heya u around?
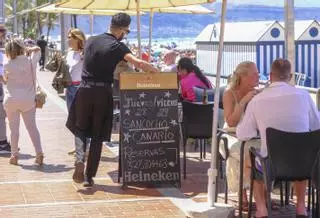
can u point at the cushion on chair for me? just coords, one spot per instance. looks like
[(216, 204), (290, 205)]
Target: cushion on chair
[(210, 92), (199, 93)]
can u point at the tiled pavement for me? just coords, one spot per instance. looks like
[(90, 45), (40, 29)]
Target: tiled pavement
[(48, 191), (143, 209)]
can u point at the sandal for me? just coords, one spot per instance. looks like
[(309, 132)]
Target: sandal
[(301, 216), (39, 159), (275, 206), (245, 206), (13, 160)]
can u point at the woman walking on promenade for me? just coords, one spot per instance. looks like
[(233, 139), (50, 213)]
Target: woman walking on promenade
[(20, 79), (74, 60)]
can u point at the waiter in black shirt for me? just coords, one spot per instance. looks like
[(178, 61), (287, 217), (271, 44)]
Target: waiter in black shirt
[(91, 112)]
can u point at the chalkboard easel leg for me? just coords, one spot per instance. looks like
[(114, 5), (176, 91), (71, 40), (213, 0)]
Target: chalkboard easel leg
[(200, 145), (204, 148), (184, 160), (119, 165)]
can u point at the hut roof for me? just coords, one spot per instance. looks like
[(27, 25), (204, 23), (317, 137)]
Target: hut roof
[(236, 31), (301, 26)]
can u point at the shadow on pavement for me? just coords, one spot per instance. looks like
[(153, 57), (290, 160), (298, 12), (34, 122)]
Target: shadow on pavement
[(47, 168), (26, 156), (63, 97), (109, 159), (119, 190), (21, 156)]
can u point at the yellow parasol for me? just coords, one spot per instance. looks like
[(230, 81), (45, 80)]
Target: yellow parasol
[(137, 5), (53, 9), (189, 9)]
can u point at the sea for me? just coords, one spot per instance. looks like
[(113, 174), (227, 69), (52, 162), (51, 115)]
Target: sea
[(157, 43), (183, 29)]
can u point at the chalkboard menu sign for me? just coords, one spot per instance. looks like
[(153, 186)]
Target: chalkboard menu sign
[(149, 129)]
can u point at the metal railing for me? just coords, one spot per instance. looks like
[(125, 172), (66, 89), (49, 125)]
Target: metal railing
[(314, 92), (50, 52)]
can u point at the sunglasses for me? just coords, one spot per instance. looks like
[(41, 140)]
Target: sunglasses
[(127, 31), (71, 36)]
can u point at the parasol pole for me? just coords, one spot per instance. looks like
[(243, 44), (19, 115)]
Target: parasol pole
[(138, 27), (212, 171), (289, 36), (91, 23), (150, 33)]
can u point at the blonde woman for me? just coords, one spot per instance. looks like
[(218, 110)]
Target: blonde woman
[(240, 91), (19, 77)]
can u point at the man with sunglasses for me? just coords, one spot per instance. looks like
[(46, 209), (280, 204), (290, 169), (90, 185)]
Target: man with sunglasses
[(92, 109), (4, 144)]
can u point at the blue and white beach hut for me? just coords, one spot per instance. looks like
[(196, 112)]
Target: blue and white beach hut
[(242, 40), (307, 40), (269, 47)]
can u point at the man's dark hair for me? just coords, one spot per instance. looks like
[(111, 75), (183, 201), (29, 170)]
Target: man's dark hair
[(120, 20)]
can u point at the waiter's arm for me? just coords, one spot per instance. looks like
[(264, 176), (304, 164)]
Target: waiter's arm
[(138, 63)]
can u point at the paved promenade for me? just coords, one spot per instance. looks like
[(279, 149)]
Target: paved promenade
[(48, 191)]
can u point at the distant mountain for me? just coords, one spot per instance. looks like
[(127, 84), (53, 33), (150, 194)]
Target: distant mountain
[(179, 25)]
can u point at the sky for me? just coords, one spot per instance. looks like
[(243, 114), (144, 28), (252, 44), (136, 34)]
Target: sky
[(280, 3)]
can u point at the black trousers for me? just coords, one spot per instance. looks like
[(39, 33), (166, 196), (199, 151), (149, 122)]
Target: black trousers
[(94, 157), (91, 116), (42, 59), (94, 153)]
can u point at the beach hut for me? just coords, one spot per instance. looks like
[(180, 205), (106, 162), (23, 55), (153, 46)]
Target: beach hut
[(269, 47), (307, 42), (243, 41)]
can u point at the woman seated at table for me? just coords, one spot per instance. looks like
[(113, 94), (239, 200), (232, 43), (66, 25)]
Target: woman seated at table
[(191, 76), (240, 91)]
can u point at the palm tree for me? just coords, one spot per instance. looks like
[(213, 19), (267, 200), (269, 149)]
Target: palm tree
[(32, 21), (50, 23)]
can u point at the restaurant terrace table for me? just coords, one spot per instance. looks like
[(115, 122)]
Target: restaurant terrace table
[(232, 132)]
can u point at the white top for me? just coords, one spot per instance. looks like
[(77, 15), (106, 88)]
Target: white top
[(280, 106), (21, 80), (169, 68), (75, 62)]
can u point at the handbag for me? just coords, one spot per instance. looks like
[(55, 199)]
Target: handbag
[(53, 63), (41, 96), (62, 78)]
